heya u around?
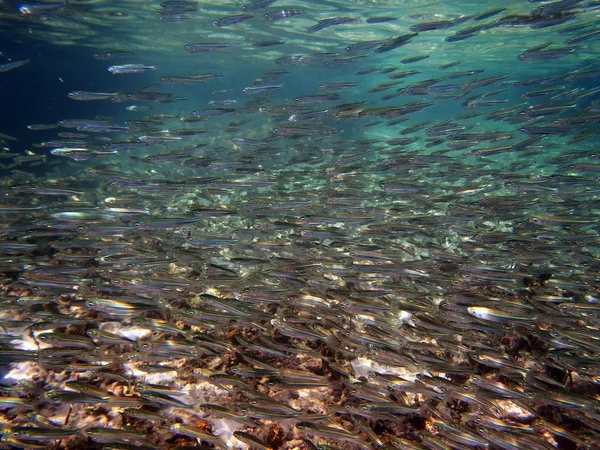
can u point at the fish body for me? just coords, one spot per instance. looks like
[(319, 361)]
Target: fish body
[(130, 69), (232, 20), (28, 9), (325, 23), (7, 67)]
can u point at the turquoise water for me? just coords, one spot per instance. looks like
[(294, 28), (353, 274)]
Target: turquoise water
[(372, 224)]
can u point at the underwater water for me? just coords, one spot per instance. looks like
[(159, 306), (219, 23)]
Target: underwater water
[(300, 224)]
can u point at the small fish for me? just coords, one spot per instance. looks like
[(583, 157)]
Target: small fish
[(223, 102), (130, 68), (29, 9), (329, 432), (105, 434), (380, 19), (106, 56), (255, 90), (449, 65), (363, 46), (272, 43), (43, 190), (245, 142), (138, 108), (109, 338), (256, 5), (82, 216), (428, 26), (318, 98), (413, 59), (582, 37), (41, 434), (394, 43), (14, 402), (211, 112), (196, 433), (281, 15), (13, 65), (545, 55), (231, 20), (338, 86), (219, 411), (488, 14), (325, 23), (67, 340), (58, 396), (250, 440), (202, 47), (89, 389), (562, 221), (89, 95)]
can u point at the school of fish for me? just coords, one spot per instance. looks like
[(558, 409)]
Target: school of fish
[(313, 225)]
